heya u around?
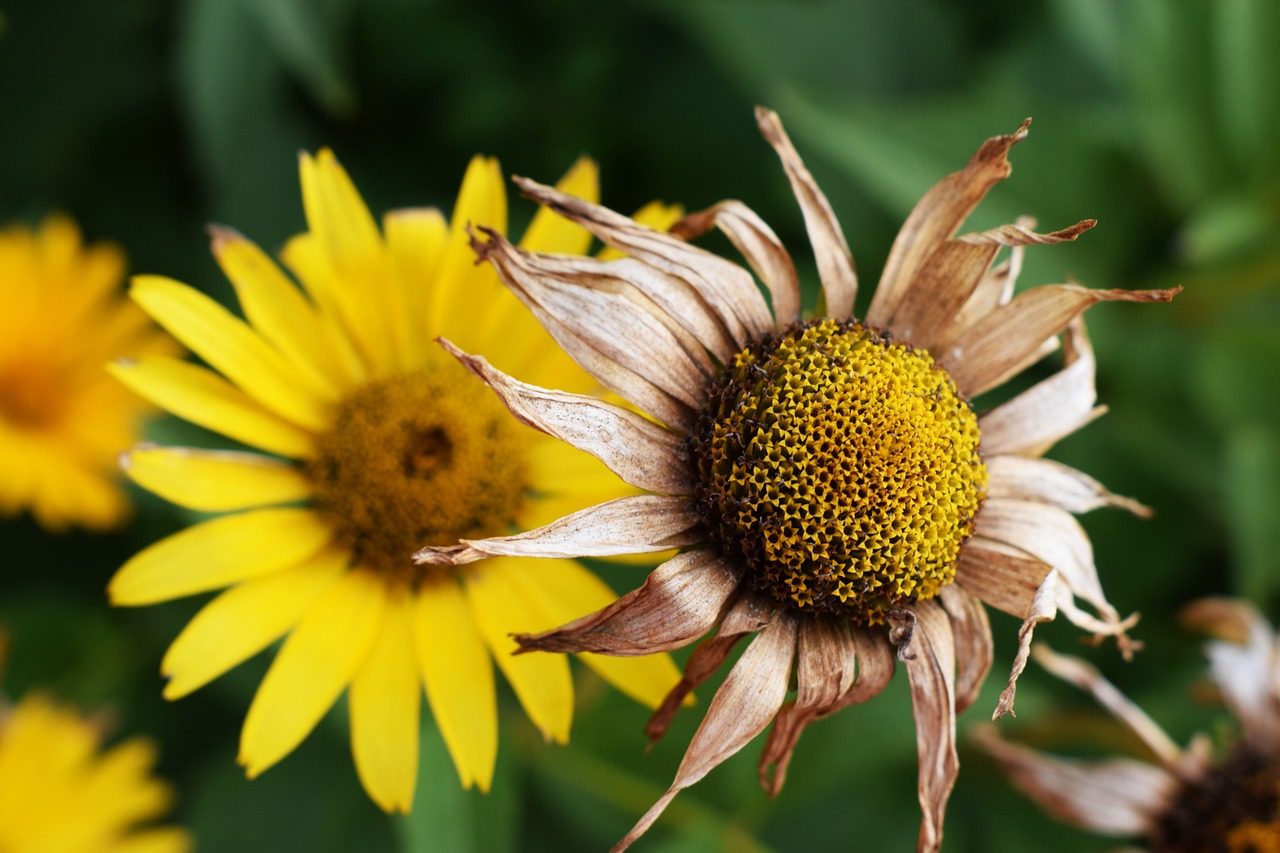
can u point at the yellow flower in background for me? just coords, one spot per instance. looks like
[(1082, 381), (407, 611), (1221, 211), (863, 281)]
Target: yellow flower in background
[(60, 792), (373, 442), (62, 420)]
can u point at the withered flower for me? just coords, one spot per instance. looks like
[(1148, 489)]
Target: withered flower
[(833, 490), (1194, 800)]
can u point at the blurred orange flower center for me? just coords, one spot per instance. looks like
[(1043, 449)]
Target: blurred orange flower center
[(30, 395)]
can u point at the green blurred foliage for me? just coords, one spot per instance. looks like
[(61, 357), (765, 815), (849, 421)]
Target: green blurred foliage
[(148, 119)]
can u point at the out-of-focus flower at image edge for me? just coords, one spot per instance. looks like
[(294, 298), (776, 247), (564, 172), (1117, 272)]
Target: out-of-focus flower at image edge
[(60, 791), (1190, 800), (63, 420), (372, 441), (841, 499)]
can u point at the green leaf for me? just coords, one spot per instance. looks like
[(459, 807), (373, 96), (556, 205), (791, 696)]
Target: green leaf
[(306, 36), (1253, 510)]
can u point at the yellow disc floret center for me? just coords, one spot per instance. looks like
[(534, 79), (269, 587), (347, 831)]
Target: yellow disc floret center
[(423, 458), (31, 396), (841, 469)]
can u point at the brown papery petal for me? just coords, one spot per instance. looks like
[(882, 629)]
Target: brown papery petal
[(636, 524), (634, 380), (1043, 608), (835, 261), (1003, 577), (1032, 478), (931, 672), (1086, 676), (1119, 796), (972, 632), (936, 217), (825, 671), (759, 245), (1245, 663), (947, 279), (1006, 341), (1031, 422), (748, 614), (743, 706), (639, 451), (726, 287), (680, 601), (995, 289)]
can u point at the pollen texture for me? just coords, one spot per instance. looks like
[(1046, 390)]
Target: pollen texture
[(424, 458), (841, 469)]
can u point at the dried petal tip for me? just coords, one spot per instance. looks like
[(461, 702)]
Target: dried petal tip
[(220, 236), (482, 248), (447, 555)]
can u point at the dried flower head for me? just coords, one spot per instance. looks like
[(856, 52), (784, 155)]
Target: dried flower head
[(836, 494)]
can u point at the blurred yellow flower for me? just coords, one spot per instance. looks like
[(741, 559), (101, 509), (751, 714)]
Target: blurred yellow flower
[(62, 419), (376, 442)]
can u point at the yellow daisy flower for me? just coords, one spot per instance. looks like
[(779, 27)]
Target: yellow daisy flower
[(60, 792), (840, 498), (373, 441), (62, 420)]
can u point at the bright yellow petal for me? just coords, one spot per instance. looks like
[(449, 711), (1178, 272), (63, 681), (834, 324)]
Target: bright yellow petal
[(284, 317), (218, 553), (385, 701), (232, 348), (316, 662), (244, 620), (199, 395), (551, 232), (655, 215), (564, 591), (500, 601), (461, 283), (415, 240), (214, 480), (459, 679), (164, 839)]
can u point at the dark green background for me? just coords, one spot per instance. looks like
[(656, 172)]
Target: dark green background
[(148, 119)]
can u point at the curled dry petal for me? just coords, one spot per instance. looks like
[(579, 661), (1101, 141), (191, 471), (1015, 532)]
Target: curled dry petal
[(952, 272), (1031, 422), (1003, 577), (1119, 796), (1043, 608), (1245, 662), (972, 632), (725, 286), (1036, 479), (931, 674), (993, 290), (759, 245), (835, 262), (1086, 676), (743, 706), (639, 451), (680, 601), (936, 217), (746, 615), (598, 353), (636, 524), (1008, 339)]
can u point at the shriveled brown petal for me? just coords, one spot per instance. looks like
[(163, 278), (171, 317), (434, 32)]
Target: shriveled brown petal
[(1118, 796), (931, 672), (1043, 608), (835, 261), (636, 524), (995, 289), (951, 273), (1085, 675), (759, 245), (680, 601), (936, 217), (1245, 662), (825, 671), (1036, 479), (1031, 422), (972, 632), (743, 706), (639, 451), (1003, 577), (746, 615), (1008, 339), (726, 287), (634, 381)]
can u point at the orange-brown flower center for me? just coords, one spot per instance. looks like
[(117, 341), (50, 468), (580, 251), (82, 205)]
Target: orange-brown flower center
[(424, 458), (840, 468), (30, 397), (1233, 808)]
